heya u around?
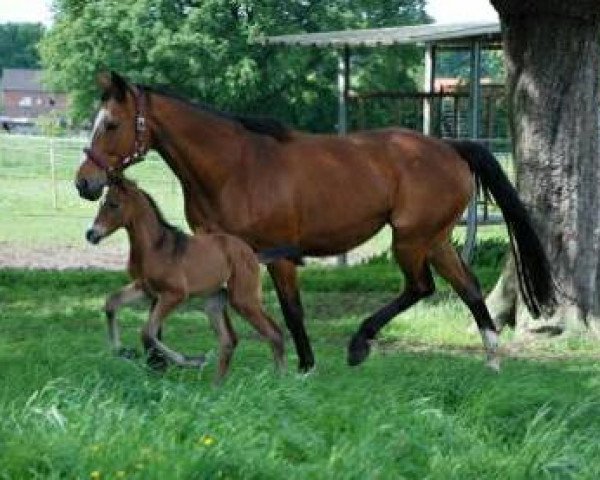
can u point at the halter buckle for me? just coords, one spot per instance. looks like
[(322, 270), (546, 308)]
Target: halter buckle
[(140, 123)]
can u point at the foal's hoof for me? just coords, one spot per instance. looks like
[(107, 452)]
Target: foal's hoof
[(157, 362), (358, 350), (127, 353)]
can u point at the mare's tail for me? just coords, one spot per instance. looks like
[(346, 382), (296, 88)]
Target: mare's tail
[(533, 268)]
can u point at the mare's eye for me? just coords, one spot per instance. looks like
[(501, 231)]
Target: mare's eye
[(112, 205), (111, 126)]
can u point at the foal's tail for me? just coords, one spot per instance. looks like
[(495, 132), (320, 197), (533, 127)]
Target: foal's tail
[(288, 252), (533, 268)]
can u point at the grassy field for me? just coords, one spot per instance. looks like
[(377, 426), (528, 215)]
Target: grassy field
[(41, 207), (68, 409)]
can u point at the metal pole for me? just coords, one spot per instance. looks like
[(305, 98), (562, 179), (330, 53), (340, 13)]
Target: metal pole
[(53, 175), (428, 86), (342, 126), (475, 96), (475, 88), (343, 87)]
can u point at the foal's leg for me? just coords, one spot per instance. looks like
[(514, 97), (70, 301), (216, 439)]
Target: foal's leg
[(418, 284), (128, 294), (247, 304), (450, 266), (216, 309), (165, 304), (283, 273)]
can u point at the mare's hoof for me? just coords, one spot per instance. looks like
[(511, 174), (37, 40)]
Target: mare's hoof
[(306, 367), (127, 353), (358, 350), (493, 364)]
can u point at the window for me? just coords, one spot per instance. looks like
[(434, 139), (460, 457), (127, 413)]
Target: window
[(25, 102)]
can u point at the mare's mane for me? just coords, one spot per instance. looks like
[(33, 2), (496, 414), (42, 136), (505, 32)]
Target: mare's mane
[(256, 124)]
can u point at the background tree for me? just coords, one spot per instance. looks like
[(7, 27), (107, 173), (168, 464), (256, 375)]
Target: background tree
[(18, 45), (552, 53), (205, 50)]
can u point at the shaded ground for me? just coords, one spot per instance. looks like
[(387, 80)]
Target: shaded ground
[(107, 257), (55, 257)]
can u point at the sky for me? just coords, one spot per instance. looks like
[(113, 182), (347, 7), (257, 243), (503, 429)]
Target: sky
[(443, 11)]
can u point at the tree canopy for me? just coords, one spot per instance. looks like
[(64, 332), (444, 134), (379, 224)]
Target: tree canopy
[(206, 50), (18, 45)]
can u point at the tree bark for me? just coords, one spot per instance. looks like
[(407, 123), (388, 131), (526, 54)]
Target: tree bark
[(552, 51)]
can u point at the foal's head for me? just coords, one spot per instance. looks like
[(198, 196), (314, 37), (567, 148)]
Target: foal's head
[(119, 135), (120, 205)]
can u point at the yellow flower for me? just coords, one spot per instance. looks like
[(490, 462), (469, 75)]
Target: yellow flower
[(207, 440), (146, 452), (95, 475)]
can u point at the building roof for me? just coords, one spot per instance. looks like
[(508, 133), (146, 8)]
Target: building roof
[(450, 34), (22, 79)]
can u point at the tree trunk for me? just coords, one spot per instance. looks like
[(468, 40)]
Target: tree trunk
[(552, 50)]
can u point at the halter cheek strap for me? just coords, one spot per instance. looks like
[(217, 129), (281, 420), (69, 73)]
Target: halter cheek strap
[(139, 147)]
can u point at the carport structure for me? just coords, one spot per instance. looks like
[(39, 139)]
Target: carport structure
[(474, 37)]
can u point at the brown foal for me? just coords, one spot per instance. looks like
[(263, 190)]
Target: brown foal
[(169, 266)]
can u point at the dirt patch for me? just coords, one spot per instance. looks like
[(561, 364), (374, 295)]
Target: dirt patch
[(61, 257), (513, 349)]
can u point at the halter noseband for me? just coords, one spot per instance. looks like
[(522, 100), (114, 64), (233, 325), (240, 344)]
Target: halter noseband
[(139, 148)]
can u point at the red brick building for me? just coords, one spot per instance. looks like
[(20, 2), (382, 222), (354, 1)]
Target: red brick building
[(24, 97)]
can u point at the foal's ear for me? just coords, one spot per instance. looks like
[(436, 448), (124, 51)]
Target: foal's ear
[(112, 85)]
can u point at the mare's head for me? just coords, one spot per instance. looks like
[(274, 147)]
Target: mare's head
[(118, 209), (119, 135)]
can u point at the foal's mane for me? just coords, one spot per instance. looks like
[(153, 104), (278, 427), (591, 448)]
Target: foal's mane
[(179, 237), (256, 124)]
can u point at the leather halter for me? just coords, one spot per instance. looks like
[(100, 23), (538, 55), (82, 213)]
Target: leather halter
[(139, 147)]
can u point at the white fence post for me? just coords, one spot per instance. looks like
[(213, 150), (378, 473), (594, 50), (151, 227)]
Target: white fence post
[(53, 176)]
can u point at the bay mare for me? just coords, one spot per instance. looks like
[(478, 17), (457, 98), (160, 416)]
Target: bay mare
[(169, 266), (324, 194)]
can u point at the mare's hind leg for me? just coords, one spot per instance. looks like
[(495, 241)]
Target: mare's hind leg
[(216, 309), (284, 275), (418, 284), (128, 294), (449, 265)]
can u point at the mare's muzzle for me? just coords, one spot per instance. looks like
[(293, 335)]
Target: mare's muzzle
[(89, 189)]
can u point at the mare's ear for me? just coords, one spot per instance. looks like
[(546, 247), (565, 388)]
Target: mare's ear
[(112, 85)]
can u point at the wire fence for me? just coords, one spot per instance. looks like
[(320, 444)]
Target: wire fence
[(50, 163), (41, 206)]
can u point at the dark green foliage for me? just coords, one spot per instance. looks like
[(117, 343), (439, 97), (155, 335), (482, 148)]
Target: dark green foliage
[(18, 45), (207, 51)]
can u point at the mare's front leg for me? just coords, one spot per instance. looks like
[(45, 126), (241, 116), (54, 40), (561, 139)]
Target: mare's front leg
[(128, 294), (284, 275)]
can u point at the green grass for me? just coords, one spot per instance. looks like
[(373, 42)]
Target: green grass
[(68, 409)]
